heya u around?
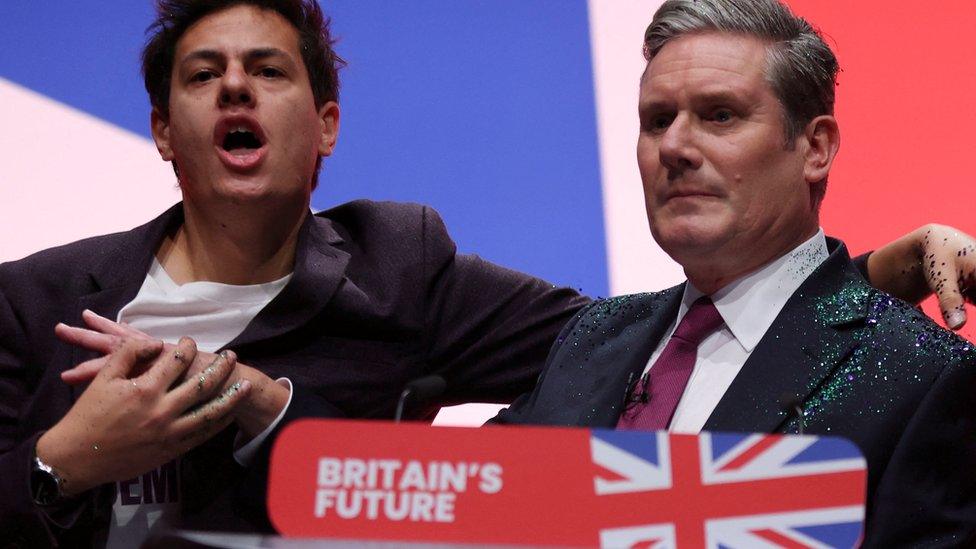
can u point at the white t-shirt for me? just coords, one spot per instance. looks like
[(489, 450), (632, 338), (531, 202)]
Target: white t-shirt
[(213, 315)]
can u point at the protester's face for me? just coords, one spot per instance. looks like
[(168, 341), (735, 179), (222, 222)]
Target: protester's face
[(720, 185), (242, 121)]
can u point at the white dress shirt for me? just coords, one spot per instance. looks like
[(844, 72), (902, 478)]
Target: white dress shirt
[(748, 306)]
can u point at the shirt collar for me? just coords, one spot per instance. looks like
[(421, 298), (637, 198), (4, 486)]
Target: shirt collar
[(750, 304)]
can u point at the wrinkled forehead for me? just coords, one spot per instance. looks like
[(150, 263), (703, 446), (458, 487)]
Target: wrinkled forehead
[(707, 63)]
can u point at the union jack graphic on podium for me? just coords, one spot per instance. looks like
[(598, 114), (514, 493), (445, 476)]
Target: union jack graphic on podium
[(729, 490)]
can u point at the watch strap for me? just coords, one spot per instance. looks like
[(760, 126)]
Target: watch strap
[(45, 483)]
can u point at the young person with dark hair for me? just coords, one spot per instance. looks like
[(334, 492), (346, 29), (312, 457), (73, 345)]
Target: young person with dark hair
[(327, 315)]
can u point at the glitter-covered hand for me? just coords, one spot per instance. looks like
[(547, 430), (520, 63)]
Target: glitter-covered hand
[(933, 258), (265, 401), (125, 423)]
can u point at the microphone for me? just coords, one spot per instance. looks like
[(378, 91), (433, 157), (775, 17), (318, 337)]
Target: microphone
[(793, 406), (636, 391), (422, 388)]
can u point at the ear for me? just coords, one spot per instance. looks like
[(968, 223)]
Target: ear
[(160, 133), (822, 138), (329, 124)]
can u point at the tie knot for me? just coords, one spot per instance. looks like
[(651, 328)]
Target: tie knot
[(701, 320)]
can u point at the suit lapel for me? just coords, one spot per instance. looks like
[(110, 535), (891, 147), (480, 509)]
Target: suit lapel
[(117, 276), (617, 364), (817, 330), (319, 270)]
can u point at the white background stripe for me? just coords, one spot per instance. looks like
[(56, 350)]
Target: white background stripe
[(67, 175), (635, 262)]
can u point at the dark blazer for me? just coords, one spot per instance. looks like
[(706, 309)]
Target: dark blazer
[(861, 364), (379, 297)]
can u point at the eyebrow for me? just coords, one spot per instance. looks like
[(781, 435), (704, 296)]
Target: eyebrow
[(251, 55), (707, 97), (264, 53), (723, 96)]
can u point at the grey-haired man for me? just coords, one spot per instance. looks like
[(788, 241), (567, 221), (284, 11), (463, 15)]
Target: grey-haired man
[(774, 331)]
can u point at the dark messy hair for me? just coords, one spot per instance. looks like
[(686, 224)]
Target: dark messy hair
[(174, 17)]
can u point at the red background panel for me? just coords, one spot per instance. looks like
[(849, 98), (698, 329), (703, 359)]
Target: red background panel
[(906, 104)]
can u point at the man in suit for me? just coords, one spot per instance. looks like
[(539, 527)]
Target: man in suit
[(775, 330)]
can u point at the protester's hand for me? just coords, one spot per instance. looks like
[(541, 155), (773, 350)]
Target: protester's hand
[(263, 405), (948, 258), (104, 335), (124, 425), (932, 258)]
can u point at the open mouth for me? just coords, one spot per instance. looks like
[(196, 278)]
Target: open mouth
[(241, 141)]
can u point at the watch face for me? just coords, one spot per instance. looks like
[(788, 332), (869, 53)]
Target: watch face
[(44, 487)]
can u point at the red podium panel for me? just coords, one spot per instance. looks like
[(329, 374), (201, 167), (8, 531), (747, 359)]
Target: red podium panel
[(560, 486)]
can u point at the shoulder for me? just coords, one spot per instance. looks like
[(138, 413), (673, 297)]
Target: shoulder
[(53, 264), (110, 253), (360, 217), (623, 310), (895, 334), (395, 232), (903, 333), (394, 238)]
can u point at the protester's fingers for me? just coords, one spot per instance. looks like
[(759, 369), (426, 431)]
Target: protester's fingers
[(945, 285), (953, 307), (84, 372), (107, 326), (202, 385), (132, 352), (966, 281), (945, 270), (966, 267), (171, 365), (206, 420), (969, 290), (948, 261), (86, 339)]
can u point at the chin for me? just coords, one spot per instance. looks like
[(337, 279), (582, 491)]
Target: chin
[(688, 240), (245, 194)]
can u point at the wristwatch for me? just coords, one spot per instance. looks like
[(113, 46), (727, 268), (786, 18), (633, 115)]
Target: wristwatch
[(45, 483)]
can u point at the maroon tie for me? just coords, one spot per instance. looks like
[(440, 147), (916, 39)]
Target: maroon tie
[(665, 383)]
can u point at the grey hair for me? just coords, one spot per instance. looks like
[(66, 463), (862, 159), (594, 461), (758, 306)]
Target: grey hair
[(801, 68)]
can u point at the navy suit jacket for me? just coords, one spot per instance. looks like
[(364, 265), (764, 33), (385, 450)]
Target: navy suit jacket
[(861, 364), (379, 297)]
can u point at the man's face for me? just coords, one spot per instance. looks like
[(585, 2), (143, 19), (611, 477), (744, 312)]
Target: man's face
[(242, 121), (721, 188)]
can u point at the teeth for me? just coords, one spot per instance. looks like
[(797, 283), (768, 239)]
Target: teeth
[(240, 129)]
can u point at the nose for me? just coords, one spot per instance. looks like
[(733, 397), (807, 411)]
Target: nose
[(235, 88), (678, 149)]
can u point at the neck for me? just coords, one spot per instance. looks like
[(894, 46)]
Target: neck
[(711, 276), (233, 245)]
